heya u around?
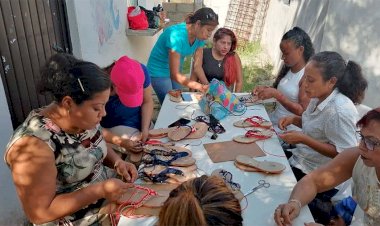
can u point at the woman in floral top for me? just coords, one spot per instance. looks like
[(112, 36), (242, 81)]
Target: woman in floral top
[(58, 157)]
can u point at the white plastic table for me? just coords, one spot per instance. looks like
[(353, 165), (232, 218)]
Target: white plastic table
[(262, 203)]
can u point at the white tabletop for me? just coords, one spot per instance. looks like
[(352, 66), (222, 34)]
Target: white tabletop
[(262, 203)]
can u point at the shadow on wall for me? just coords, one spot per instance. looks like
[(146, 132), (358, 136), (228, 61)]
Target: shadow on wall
[(349, 27)]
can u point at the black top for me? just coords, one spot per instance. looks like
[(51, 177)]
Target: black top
[(213, 68)]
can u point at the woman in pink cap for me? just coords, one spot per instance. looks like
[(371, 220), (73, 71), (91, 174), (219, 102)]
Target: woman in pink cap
[(130, 106)]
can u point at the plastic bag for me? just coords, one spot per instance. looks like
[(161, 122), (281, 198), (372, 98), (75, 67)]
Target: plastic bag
[(137, 19)]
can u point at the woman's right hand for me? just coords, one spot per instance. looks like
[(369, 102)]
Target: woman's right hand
[(284, 122), (285, 213), (113, 189)]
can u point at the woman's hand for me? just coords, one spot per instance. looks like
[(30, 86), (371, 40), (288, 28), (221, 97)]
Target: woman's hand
[(144, 136), (126, 169), (285, 213), (204, 88), (131, 145), (113, 189), (285, 121), (266, 93), (258, 89), (293, 137)]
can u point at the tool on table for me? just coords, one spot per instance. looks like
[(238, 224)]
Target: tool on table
[(262, 183)]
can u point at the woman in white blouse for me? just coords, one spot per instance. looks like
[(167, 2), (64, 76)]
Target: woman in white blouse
[(328, 123), (362, 163)]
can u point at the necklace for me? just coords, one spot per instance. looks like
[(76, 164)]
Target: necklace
[(220, 63)]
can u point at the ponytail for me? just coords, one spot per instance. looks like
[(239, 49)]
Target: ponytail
[(353, 84), (350, 80)]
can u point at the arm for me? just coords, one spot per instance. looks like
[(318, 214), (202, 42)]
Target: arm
[(239, 75), (34, 173), (147, 112), (293, 119), (174, 63), (198, 73), (324, 178), (128, 144)]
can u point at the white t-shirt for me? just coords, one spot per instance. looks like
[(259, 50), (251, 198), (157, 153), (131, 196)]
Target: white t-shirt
[(366, 192), (333, 121), (289, 87)]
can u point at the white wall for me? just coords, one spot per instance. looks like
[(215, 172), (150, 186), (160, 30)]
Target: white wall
[(349, 27), (10, 209), (97, 29), (220, 7)]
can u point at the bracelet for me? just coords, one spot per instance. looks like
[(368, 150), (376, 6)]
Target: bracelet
[(298, 202)]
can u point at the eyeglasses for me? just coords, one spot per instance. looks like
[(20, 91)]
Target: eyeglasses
[(369, 144)]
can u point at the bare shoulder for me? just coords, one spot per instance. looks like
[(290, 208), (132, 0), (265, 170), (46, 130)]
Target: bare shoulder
[(29, 149)]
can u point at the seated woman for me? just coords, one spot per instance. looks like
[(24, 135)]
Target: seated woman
[(58, 157), (328, 124), (296, 48), (201, 201), (220, 62), (130, 106), (362, 163)]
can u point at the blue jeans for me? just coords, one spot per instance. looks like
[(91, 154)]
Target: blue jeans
[(162, 85)]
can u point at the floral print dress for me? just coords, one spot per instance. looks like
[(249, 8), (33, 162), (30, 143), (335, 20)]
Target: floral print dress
[(78, 158)]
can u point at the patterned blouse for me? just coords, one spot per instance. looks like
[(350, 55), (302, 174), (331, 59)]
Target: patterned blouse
[(366, 192), (78, 158)]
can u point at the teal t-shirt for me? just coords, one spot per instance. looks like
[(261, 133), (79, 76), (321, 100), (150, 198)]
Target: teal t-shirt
[(174, 38)]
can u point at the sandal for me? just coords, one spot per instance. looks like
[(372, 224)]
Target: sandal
[(159, 133), (175, 95), (263, 166), (254, 121), (171, 159), (166, 149), (162, 176), (213, 123), (197, 131), (252, 136), (187, 172)]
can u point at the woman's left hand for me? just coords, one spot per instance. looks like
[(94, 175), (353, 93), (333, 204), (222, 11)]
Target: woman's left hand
[(131, 145), (126, 169), (293, 137), (144, 135)]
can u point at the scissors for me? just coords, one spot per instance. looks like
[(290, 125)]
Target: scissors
[(262, 183)]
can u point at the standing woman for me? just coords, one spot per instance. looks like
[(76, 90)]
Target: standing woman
[(176, 42), (296, 48), (220, 62)]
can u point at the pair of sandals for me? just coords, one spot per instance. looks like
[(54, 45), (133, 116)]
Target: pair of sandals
[(248, 164), (196, 131), (167, 164), (262, 130)]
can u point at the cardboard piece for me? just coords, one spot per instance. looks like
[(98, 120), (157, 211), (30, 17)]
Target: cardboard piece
[(228, 150)]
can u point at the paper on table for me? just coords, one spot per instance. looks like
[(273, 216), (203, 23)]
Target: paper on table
[(228, 150)]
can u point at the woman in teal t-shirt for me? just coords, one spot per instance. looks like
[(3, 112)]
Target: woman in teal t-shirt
[(176, 42)]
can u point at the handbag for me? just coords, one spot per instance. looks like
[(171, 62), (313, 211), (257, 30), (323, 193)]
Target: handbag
[(220, 102), (137, 18)]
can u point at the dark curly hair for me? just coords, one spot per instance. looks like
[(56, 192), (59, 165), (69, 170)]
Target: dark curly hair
[(64, 75)]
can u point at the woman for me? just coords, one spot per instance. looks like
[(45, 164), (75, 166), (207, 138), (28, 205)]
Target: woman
[(328, 123), (220, 62), (176, 42), (201, 201), (58, 156), (130, 107), (361, 163), (296, 48)]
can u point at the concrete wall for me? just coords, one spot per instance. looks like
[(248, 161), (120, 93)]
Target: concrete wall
[(348, 26), (10, 208), (97, 29)]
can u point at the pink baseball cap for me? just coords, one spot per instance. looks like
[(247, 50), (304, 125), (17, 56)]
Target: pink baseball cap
[(128, 78)]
